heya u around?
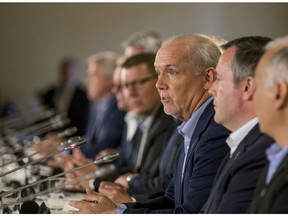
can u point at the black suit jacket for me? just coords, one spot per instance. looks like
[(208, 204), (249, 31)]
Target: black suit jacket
[(207, 149), (156, 181), (237, 177), (272, 198), (77, 110), (159, 132)]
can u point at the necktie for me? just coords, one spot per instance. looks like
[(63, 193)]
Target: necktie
[(140, 141)]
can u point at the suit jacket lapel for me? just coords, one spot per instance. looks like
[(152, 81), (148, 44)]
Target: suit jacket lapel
[(248, 140), (157, 127), (178, 181), (201, 126), (228, 162)]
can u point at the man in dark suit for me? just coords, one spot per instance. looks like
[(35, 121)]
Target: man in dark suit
[(233, 91), (106, 120), (68, 96), (271, 99), (186, 69), (151, 183), (154, 177), (105, 131), (139, 154)]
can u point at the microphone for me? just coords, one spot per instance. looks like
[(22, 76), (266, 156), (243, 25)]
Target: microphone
[(105, 159), (103, 171), (42, 127), (67, 132), (39, 126), (12, 138), (27, 118), (109, 158), (34, 125), (29, 206), (74, 142)]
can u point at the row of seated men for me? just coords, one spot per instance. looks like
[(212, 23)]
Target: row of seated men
[(107, 131), (209, 160)]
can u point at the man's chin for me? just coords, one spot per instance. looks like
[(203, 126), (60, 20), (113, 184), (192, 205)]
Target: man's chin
[(217, 119), (169, 112)]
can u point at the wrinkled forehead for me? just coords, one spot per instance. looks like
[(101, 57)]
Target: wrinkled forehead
[(171, 54)]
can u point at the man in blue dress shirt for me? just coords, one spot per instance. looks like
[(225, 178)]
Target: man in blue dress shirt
[(271, 102), (186, 70)]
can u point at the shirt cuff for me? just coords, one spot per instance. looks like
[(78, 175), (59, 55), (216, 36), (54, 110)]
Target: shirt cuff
[(121, 208), (91, 184)]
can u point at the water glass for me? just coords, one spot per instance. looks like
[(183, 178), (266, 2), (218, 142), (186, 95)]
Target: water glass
[(55, 200)]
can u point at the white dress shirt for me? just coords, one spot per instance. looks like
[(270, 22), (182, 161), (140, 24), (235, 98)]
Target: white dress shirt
[(237, 136)]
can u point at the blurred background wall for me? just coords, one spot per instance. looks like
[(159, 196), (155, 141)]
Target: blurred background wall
[(35, 36)]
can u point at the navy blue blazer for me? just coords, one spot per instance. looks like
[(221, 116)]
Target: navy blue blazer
[(207, 149), (272, 198), (237, 177), (107, 133)]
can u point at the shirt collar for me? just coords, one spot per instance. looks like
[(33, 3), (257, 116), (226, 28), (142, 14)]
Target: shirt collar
[(186, 129), (275, 155), (237, 136), (275, 152), (130, 116)]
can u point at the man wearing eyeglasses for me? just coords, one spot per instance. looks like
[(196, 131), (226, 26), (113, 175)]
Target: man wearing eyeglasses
[(139, 87), (140, 153), (186, 69)]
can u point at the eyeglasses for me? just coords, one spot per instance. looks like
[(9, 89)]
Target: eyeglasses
[(138, 83)]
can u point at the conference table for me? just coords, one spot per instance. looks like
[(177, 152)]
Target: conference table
[(20, 175)]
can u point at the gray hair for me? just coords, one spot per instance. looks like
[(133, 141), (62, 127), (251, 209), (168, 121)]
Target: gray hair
[(150, 41), (201, 52), (216, 39), (278, 66), (109, 60)]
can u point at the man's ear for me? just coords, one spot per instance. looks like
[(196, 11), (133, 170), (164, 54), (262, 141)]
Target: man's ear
[(280, 94), (249, 87), (209, 77)]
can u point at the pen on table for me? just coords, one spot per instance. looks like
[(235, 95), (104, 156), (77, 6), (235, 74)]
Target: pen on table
[(91, 201)]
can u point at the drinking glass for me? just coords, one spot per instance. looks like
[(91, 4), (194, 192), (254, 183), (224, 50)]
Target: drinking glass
[(55, 200), (10, 202)]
